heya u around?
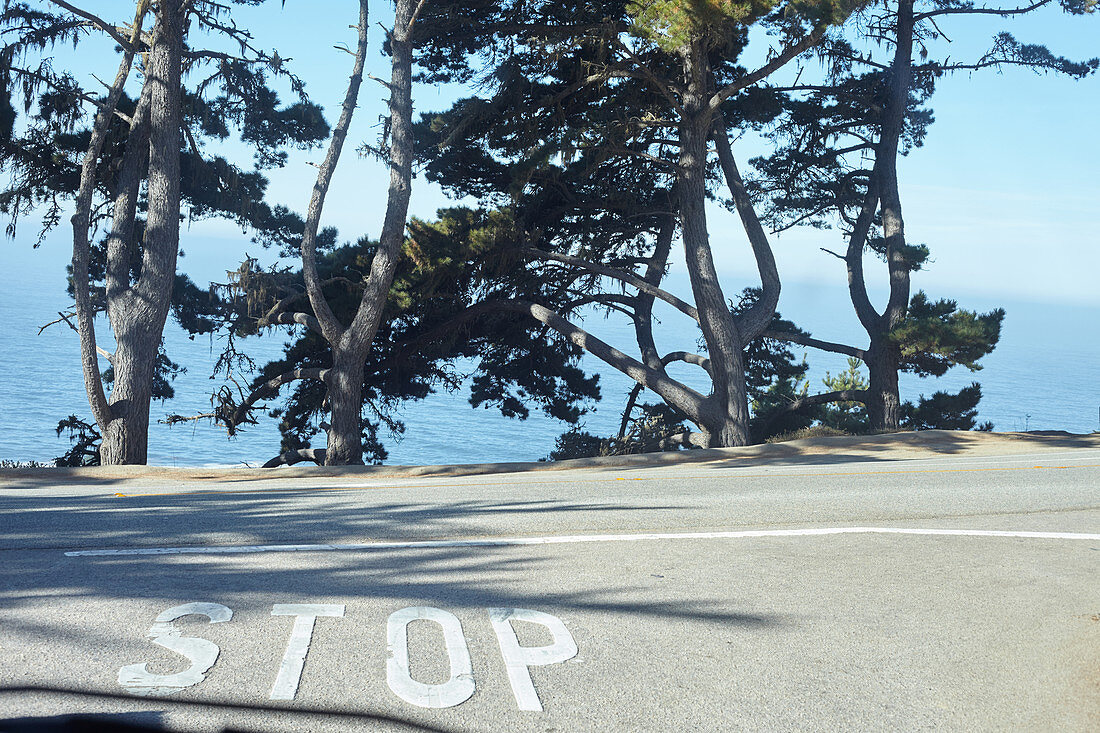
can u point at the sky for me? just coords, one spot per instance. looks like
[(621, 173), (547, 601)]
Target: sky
[(1004, 190)]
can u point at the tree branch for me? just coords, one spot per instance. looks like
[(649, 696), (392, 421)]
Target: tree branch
[(285, 302), (611, 301), (611, 272), (317, 455), (240, 412), (83, 95), (836, 348), (687, 357), (415, 15), (65, 318), (132, 173), (646, 74), (101, 24), (699, 440), (301, 319), (676, 394), (844, 395), (853, 260), (331, 327), (751, 323), (654, 273), (364, 325), (631, 399), (781, 60), (1003, 12)]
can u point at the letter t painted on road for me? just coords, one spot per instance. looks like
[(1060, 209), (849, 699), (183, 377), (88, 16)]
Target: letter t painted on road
[(290, 671)]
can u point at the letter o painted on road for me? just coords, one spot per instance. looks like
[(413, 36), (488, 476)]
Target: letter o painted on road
[(456, 690)]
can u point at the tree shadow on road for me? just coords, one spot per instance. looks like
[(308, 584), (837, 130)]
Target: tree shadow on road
[(39, 531)]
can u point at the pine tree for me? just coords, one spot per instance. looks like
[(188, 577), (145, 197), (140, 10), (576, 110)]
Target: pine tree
[(134, 171), (595, 130), (438, 322), (839, 145)]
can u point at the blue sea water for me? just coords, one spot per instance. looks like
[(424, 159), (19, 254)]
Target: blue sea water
[(1043, 375)]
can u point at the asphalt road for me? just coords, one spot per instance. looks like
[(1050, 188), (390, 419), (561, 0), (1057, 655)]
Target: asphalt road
[(953, 590)]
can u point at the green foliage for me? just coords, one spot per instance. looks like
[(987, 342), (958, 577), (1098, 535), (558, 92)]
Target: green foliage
[(586, 165), (849, 417), (85, 440), (650, 431), (464, 260), (577, 443), (10, 464), (769, 416), (944, 411), (817, 174), (439, 326), (915, 255), (653, 429), (1006, 50), (672, 24), (936, 336), (814, 431)]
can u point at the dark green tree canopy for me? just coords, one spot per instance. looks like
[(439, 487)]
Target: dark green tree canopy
[(937, 335), (48, 133), (441, 325)]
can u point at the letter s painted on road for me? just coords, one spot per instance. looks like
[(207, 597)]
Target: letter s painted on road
[(138, 680)]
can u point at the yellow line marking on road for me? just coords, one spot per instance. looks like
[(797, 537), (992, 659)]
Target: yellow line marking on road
[(219, 492)]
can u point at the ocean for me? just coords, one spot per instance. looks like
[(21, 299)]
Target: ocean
[(1042, 376)]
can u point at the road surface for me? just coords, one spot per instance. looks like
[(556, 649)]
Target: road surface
[(946, 586)]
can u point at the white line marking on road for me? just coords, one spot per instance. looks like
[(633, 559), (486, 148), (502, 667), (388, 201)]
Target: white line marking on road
[(290, 671), (518, 658), (575, 539), (457, 689)]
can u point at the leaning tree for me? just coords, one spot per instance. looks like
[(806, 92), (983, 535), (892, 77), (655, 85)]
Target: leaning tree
[(583, 92), (348, 299), (438, 329)]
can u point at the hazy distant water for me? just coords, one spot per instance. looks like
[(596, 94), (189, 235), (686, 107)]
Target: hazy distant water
[(1045, 367)]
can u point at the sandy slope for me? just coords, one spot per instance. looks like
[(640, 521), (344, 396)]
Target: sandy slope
[(894, 447)]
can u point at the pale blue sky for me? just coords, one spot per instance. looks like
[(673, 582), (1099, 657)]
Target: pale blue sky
[(1004, 190)]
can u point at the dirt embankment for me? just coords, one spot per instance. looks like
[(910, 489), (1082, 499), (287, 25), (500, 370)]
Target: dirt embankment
[(892, 446)]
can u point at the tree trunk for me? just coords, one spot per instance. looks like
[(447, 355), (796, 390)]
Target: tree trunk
[(126, 438), (350, 345), (729, 423), (886, 159), (883, 399), (81, 221), (345, 398), (883, 359), (138, 314)]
